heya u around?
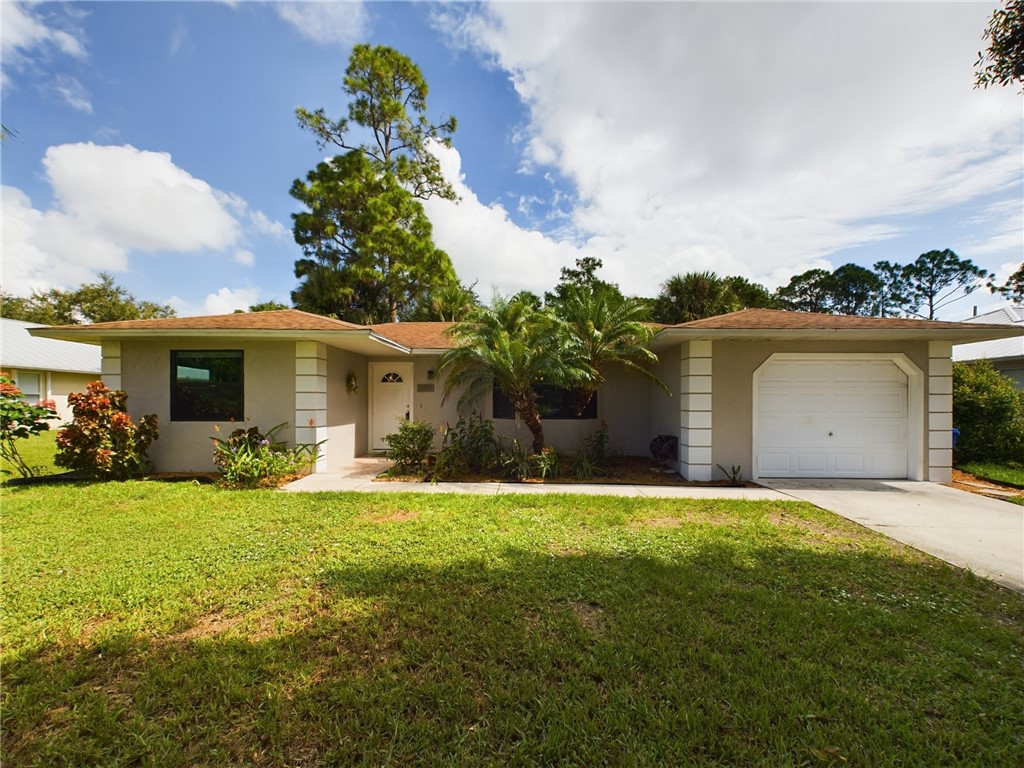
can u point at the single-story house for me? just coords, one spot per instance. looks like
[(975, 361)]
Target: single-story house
[(46, 368), (1006, 355), (780, 394)]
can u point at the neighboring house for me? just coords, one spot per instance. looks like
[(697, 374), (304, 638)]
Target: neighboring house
[(46, 369), (781, 394), (1006, 355)]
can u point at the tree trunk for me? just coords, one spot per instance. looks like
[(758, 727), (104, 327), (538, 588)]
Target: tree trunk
[(526, 406)]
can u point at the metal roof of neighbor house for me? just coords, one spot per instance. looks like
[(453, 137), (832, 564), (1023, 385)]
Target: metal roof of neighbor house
[(997, 349), (19, 349)]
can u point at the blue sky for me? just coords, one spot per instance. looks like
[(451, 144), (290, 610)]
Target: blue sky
[(158, 141)]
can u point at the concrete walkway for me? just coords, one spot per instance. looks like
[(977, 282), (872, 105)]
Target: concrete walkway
[(360, 477), (981, 534)]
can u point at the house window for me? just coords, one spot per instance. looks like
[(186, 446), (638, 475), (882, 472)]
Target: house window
[(31, 386), (207, 385), (552, 402)]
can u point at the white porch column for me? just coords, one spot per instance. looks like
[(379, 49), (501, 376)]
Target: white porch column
[(110, 367), (695, 416), (311, 396), (940, 412)]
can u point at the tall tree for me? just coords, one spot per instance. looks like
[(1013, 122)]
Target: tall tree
[(450, 303), (368, 249), (583, 275), (511, 346), (1003, 62), (98, 302), (810, 291), (601, 330), (1013, 288), (938, 278), (694, 296), (854, 290), (893, 292), (751, 295)]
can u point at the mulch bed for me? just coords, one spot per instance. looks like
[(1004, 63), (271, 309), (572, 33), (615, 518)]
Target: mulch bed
[(965, 481), (623, 470)]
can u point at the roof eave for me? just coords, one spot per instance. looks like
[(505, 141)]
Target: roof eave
[(88, 335), (956, 335)]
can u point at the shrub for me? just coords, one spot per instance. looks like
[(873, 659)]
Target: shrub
[(249, 458), (545, 464), (410, 445), (513, 462), (19, 420), (989, 412), (102, 441), (468, 447), (591, 456)]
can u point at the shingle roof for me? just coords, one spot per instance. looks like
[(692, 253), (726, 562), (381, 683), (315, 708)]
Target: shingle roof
[(777, 319), (276, 320), (416, 335), (20, 350)]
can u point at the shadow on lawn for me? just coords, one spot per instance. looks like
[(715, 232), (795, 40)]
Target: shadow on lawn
[(770, 656)]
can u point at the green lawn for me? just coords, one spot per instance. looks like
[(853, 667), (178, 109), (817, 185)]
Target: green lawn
[(178, 625), (38, 452)]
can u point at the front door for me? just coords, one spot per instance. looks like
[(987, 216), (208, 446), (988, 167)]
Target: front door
[(390, 400)]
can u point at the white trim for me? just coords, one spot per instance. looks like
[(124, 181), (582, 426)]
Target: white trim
[(916, 466), (377, 369)]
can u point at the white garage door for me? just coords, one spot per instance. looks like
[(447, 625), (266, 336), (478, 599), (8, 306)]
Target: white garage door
[(831, 418)]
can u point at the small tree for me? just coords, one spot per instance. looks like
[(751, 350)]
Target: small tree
[(20, 420), (989, 412), (102, 441)]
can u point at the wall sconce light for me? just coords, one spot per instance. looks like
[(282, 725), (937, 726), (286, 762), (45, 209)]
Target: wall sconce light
[(430, 375)]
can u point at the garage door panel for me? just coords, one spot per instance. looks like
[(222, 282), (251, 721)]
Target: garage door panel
[(811, 462), (832, 418)]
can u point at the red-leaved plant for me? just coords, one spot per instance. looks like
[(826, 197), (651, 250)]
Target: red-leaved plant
[(20, 420), (102, 441)]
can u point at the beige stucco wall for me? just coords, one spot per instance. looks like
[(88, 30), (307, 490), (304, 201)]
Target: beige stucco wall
[(185, 445), (733, 366), (346, 411), (56, 386)]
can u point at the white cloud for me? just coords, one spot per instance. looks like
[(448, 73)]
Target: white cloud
[(109, 201), (73, 93), (267, 226), (326, 23), (244, 257), (28, 30), (223, 302), (751, 139)]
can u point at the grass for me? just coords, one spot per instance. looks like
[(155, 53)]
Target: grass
[(1010, 474), (171, 625), (38, 452)]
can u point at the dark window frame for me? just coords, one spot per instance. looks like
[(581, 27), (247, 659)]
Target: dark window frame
[(223, 390), (554, 404)]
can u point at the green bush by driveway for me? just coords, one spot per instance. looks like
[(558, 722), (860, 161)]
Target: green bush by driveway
[(173, 625)]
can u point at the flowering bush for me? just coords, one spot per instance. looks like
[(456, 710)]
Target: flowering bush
[(102, 441), (251, 459), (19, 420), (410, 445)]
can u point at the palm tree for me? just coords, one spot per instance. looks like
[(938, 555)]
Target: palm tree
[(511, 346), (694, 296), (602, 329)]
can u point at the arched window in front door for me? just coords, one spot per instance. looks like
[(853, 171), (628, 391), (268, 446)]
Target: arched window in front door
[(391, 377)]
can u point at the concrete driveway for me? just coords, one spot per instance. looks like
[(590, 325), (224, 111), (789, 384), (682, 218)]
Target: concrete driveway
[(981, 534)]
